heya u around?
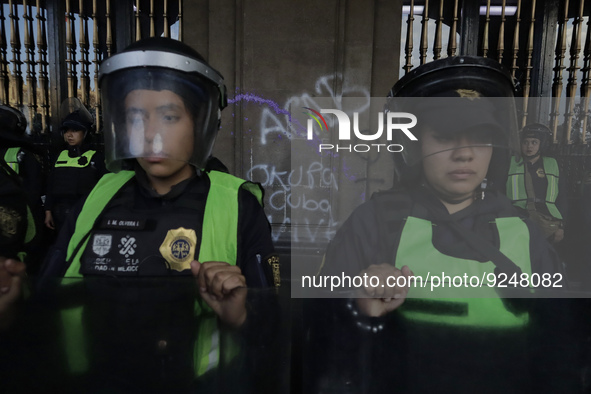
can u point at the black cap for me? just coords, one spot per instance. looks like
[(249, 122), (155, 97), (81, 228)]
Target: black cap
[(536, 130), (453, 95), (76, 121), (444, 77), (457, 115)]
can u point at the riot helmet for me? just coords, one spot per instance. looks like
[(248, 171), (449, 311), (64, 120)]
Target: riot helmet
[(75, 116), (13, 123), (538, 131), (466, 96), (157, 70)]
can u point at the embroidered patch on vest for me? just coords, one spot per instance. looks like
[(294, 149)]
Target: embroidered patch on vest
[(102, 244), (127, 246), (273, 261), (540, 173), (178, 248)]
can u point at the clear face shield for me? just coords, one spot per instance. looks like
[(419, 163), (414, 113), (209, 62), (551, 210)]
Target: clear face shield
[(449, 124), (159, 113)]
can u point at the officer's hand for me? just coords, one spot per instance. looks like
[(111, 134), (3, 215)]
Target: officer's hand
[(223, 287), (386, 296), (12, 274), (49, 220), (558, 235)]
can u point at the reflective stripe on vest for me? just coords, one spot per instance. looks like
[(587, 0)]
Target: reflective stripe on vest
[(516, 184), (64, 159), (417, 251), (220, 227), (11, 158)]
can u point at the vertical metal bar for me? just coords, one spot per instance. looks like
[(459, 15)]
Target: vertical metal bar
[(470, 21), (30, 62), (180, 17), (424, 34), (571, 86), (96, 61), (452, 45), (559, 66), (109, 28), (124, 23), (409, 38), (71, 51), (138, 26), (152, 19), (514, 66), (4, 77), (84, 55), (586, 83), (437, 45), (546, 28), (43, 80), (501, 42), (57, 54), (486, 27), (165, 19), (15, 43), (528, 67)]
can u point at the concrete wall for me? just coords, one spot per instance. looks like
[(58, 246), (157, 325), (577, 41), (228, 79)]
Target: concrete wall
[(274, 53)]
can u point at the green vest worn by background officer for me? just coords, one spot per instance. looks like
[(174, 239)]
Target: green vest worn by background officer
[(13, 125), (64, 159), (516, 185), (11, 158), (17, 222)]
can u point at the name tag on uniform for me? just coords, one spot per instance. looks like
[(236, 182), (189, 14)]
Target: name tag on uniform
[(123, 224)]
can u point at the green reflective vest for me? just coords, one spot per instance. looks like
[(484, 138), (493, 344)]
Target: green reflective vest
[(11, 158), (516, 185), (218, 243), (487, 310), (64, 159)]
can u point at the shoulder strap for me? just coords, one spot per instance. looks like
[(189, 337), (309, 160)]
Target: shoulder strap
[(393, 207), (502, 262), (220, 218), (226, 181)]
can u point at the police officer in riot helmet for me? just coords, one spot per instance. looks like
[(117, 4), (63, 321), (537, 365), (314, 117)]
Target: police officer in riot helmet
[(22, 164), (535, 185), (17, 225), (447, 213), (20, 154), (163, 215), (77, 168)]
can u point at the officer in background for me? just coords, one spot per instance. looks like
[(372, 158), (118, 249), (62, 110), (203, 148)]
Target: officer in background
[(161, 229), (18, 228), (77, 168), (21, 170), (446, 214), (534, 183), (24, 161)]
